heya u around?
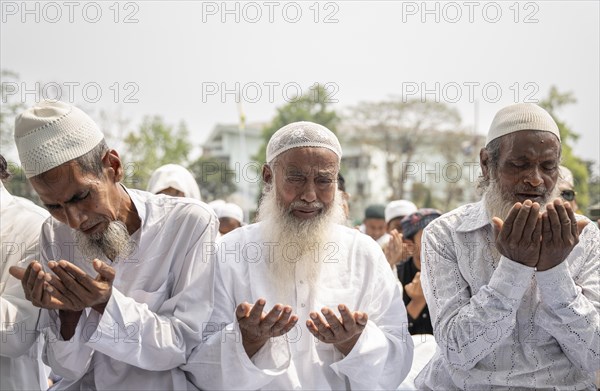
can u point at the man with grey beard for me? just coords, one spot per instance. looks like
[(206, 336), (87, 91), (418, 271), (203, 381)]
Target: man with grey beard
[(512, 282), (121, 280), (301, 301)]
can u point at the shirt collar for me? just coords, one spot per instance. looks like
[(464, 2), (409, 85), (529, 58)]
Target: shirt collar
[(474, 217)]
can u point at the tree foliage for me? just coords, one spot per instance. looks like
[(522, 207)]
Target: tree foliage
[(153, 145), (313, 106), (216, 179), (553, 103)]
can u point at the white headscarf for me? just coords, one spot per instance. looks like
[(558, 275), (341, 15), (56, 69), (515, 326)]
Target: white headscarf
[(175, 176)]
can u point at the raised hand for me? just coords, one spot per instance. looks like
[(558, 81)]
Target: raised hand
[(519, 237), (76, 289), (396, 250), (414, 289), (257, 327), (34, 282), (342, 332), (560, 234)]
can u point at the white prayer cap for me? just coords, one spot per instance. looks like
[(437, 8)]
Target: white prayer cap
[(302, 134), (231, 210), (566, 176), (215, 204), (521, 116), (175, 176), (53, 133), (399, 208)]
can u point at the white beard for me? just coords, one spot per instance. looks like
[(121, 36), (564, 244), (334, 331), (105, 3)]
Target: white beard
[(498, 202), (298, 244), (114, 241)]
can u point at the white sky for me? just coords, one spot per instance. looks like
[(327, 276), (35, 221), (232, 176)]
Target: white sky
[(373, 50)]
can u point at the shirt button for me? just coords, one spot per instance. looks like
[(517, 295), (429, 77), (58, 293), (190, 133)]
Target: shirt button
[(425, 316), (302, 305)]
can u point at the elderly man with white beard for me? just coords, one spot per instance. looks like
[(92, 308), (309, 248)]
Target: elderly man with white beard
[(302, 302), (122, 280), (512, 282)]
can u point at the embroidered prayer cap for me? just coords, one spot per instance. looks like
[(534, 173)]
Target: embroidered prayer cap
[(302, 134), (53, 133), (399, 208), (175, 176), (418, 220), (521, 116)]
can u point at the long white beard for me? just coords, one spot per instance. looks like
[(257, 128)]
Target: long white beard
[(114, 241), (298, 245), (499, 202)]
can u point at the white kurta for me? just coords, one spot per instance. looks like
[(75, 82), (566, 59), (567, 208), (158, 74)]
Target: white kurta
[(354, 272), (21, 367), (161, 297), (503, 325)]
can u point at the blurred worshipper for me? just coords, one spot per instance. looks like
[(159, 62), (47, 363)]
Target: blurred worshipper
[(231, 216), (374, 224), (409, 273), (341, 185), (21, 363), (396, 249), (124, 285), (174, 180), (566, 185), (512, 281), (301, 301)]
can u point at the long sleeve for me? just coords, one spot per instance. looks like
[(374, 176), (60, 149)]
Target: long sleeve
[(467, 325), (571, 302), (18, 322)]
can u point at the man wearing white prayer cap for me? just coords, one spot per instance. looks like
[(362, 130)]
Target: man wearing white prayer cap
[(395, 248), (512, 281), (122, 281), (174, 180), (566, 186), (231, 216), (302, 302)]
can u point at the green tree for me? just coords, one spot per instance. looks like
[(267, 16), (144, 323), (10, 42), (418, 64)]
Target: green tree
[(216, 179), (313, 106), (552, 103), (153, 145)]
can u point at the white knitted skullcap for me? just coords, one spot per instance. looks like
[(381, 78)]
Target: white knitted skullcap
[(230, 210), (175, 176), (521, 116), (399, 208), (53, 133), (302, 134)]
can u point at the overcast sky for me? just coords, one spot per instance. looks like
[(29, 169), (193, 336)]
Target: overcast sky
[(179, 59)]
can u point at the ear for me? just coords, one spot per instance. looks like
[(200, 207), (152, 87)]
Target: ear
[(113, 165), (267, 174), (484, 162)]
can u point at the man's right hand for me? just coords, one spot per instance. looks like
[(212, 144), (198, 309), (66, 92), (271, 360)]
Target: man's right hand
[(257, 327), (35, 283), (519, 237)]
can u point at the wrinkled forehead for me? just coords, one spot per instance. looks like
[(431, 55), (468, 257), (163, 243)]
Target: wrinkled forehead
[(308, 161), (530, 144)]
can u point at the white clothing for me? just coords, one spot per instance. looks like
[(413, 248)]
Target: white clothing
[(20, 362), (354, 272), (161, 298), (500, 324)]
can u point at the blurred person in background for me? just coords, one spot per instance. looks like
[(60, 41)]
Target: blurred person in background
[(566, 185), (231, 216), (174, 180), (396, 249)]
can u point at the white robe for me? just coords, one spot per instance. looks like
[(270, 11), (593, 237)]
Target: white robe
[(161, 298), (21, 367), (354, 272)]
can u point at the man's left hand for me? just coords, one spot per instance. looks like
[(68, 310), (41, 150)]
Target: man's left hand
[(73, 285), (560, 234), (342, 332)]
